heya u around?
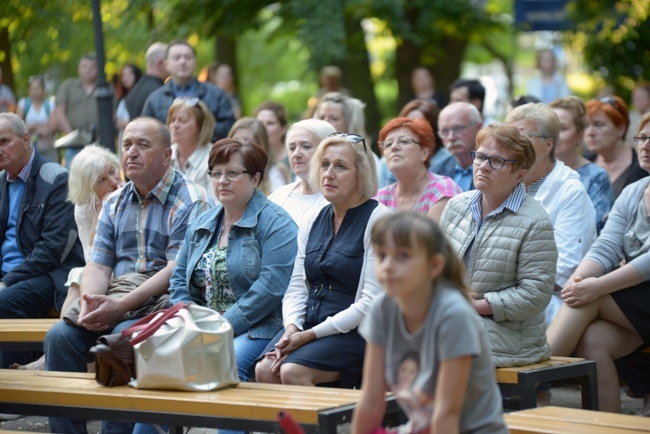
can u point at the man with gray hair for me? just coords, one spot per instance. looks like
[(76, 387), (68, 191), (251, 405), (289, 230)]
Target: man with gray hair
[(559, 190), (458, 125), (38, 235), (154, 77)]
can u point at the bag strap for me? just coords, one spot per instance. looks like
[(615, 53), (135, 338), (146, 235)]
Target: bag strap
[(147, 326)]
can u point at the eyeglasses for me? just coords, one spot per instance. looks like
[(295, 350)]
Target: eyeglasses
[(457, 130), (232, 175), (190, 101), (401, 142), (640, 140), (495, 161), (351, 138)]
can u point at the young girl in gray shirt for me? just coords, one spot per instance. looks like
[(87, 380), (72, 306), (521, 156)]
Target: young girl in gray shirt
[(424, 340)]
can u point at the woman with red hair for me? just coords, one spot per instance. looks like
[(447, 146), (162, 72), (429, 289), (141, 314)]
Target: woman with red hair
[(607, 124), (407, 145)]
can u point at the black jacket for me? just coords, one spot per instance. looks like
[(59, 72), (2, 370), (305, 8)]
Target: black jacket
[(46, 230)]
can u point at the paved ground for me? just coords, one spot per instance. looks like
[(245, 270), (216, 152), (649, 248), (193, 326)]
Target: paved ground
[(562, 396)]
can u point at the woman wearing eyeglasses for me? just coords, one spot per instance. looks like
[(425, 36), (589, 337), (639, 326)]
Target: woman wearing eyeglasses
[(191, 125), (333, 281), (505, 239), (237, 257), (606, 310), (407, 146), (607, 124)]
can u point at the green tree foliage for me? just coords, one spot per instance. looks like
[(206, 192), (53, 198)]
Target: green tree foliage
[(615, 37)]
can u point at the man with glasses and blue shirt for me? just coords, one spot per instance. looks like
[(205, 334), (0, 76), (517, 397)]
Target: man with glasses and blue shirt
[(458, 125), (181, 63)]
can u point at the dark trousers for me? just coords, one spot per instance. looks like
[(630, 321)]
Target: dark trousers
[(31, 298)]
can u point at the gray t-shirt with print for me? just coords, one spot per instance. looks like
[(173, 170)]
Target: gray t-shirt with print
[(452, 329)]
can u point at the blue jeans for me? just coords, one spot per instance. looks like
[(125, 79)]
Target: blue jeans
[(66, 349), (30, 298), (247, 351)]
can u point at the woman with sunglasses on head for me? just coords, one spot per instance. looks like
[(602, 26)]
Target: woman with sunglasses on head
[(300, 199), (191, 125), (407, 146), (606, 310), (333, 281), (250, 130), (607, 124), (505, 239)]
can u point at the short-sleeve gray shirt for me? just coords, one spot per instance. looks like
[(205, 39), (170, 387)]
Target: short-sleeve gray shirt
[(452, 329)]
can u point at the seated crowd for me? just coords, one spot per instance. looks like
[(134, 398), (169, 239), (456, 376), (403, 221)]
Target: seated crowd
[(352, 259)]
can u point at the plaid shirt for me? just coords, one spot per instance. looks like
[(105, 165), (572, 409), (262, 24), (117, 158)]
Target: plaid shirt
[(136, 234)]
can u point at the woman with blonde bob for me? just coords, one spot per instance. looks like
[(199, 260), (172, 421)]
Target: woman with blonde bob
[(505, 238), (191, 125), (333, 281)]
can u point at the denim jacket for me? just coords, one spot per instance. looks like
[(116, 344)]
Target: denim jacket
[(261, 250)]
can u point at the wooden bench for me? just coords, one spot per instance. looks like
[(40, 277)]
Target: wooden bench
[(249, 406), (24, 334), (561, 420), (519, 385)]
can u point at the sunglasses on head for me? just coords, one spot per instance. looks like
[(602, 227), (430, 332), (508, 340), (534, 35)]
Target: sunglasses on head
[(191, 101), (351, 138)]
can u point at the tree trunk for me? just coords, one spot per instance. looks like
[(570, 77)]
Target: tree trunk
[(5, 63), (407, 58), (226, 52), (447, 70), (357, 77)]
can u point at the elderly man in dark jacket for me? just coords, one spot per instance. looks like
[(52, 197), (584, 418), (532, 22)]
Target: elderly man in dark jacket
[(38, 234)]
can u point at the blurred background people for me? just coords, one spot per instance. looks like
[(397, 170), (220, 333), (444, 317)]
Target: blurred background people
[(548, 83), (222, 75), (571, 112), (250, 130), (153, 78), (126, 79), (36, 110), (7, 97), (300, 198), (274, 118), (640, 106), (191, 125), (424, 87), (181, 63)]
